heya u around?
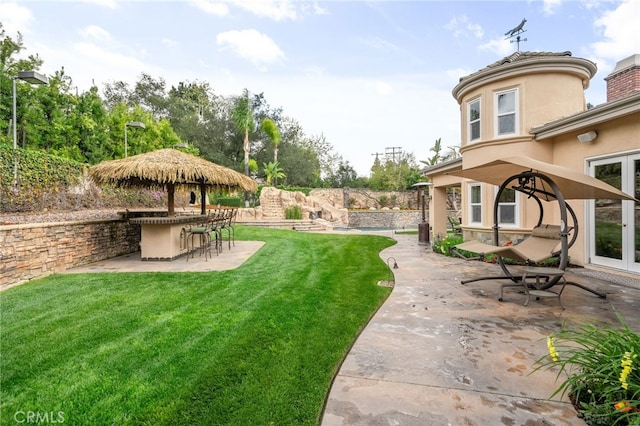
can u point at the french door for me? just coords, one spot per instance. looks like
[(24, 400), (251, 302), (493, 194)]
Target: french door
[(614, 225)]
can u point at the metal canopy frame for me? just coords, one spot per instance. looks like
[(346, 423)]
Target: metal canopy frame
[(526, 183)]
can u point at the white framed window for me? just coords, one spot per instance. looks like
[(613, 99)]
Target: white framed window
[(506, 108), (475, 203), (508, 207), (473, 114)]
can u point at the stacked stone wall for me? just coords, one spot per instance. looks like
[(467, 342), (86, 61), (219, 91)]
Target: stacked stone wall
[(31, 251), (357, 198), (387, 219)]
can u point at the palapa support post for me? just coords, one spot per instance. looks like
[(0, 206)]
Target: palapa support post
[(171, 199), (203, 199)]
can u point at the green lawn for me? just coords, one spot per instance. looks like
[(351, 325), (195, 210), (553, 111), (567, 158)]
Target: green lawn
[(258, 345)]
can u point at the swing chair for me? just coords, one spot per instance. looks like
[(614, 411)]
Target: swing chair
[(541, 182)]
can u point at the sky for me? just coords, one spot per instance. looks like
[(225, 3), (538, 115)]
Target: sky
[(371, 76)]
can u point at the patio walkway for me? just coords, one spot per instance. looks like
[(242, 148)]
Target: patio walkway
[(441, 353)]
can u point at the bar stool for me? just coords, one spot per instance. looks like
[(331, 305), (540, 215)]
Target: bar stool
[(202, 233)]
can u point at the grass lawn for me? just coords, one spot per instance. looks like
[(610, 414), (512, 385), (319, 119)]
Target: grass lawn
[(258, 345)]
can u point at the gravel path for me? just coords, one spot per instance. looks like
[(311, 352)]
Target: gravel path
[(59, 216)]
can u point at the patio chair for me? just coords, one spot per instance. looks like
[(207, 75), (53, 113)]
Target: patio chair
[(456, 227), (542, 244)]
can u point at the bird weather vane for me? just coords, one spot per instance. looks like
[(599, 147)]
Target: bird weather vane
[(516, 32)]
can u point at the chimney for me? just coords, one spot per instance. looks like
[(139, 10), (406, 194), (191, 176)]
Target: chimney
[(624, 80)]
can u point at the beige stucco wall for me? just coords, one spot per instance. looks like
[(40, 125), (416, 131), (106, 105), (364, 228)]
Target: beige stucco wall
[(615, 137), (541, 98), (546, 93)]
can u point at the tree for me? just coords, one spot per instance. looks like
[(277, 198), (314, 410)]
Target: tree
[(273, 133), (242, 117), (344, 176), (273, 171), (10, 65), (452, 154), (394, 175)]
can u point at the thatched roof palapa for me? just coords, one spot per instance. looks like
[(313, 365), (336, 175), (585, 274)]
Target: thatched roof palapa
[(166, 168)]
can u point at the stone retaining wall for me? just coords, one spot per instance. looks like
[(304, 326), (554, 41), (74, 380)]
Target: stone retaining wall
[(31, 251), (360, 198), (389, 219)]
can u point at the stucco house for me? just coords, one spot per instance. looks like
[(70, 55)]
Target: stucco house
[(532, 104)]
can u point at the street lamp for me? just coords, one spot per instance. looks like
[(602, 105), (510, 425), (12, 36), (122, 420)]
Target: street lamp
[(131, 124), (32, 77)]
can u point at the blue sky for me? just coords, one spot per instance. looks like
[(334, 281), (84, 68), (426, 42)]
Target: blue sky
[(366, 74)]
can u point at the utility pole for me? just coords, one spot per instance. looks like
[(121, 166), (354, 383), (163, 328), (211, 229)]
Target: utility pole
[(392, 151)]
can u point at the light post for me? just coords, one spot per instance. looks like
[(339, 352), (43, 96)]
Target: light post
[(131, 124), (32, 77)]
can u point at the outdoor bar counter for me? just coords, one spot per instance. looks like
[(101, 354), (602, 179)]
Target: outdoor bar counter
[(162, 238)]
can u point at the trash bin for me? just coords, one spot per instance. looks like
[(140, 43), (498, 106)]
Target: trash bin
[(423, 233)]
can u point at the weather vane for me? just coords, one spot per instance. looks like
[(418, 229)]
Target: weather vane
[(515, 32)]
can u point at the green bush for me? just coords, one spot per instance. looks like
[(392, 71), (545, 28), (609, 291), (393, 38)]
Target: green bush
[(39, 176), (293, 212), (444, 245), (602, 377), (227, 201)]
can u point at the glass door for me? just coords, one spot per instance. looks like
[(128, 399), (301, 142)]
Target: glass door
[(615, 224)]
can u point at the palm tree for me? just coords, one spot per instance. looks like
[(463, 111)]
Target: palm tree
[(271, 129), (242, 117), (273, 171)]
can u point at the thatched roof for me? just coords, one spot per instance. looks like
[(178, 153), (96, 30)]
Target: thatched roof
[(169, 167)]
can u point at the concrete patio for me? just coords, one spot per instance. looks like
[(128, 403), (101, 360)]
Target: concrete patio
[(441, 353)]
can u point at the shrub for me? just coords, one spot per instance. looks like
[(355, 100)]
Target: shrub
[(228, 201), (444, 245), (603, 379), (293, 212)]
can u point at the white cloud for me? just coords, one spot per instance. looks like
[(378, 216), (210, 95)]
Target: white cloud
[(96, 33), (15, 18), (211, 7), (381, 44), (170, 43), (461, 26), (549, 7), (251, 45), (383, 88), (499, 46), (111, 4), (619, 29), (278, 10)]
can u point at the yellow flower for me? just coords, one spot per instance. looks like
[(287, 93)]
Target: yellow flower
[(552, 349), (627, 366)]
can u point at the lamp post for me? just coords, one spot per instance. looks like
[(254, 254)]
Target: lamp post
[(32, 77), (131, 124)]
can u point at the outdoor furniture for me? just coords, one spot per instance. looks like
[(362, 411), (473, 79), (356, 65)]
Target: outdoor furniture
[(545, 241), (540, 245), (537, 290), (202, 234), (456, 227), (165, 238)]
